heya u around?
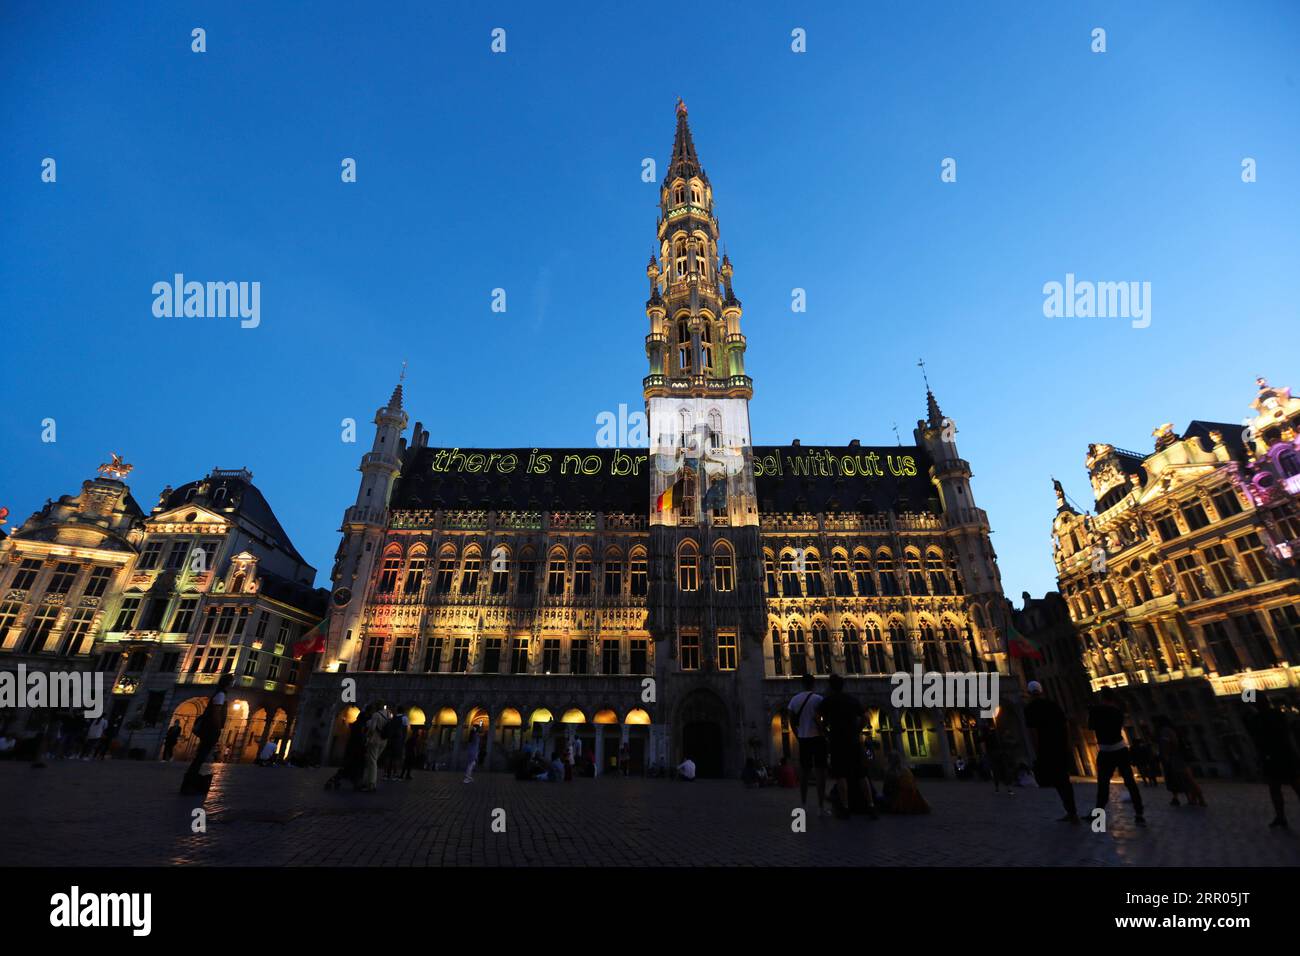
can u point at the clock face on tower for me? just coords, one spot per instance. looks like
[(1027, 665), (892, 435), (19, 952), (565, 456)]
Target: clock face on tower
[(342, 596)]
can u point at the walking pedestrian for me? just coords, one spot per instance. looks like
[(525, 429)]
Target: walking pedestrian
[(375, 744), (208, 729), (475, 736), (169, 741), (812, 743), (1048, 725), (1178, 776), (354, 753), (996, 758), (842, 717), (1277, 755), (394, 746), (1106, 720)]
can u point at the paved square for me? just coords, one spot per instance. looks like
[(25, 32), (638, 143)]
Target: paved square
[(129, 813)]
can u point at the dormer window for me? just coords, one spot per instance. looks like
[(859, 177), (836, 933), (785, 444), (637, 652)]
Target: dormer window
[(697, 195), (679, 194)]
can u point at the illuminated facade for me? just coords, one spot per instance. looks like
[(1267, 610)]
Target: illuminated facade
[(59, 571), (162, 604), (666, 597), (1183, 584)]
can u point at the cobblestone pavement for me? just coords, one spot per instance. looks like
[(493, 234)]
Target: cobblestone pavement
[(129, 813)]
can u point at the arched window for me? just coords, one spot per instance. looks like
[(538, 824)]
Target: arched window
[(679, 257), (898, 646), (778, 654), (789, 575), (500, 569), (697, 194), (724, 571), (470, 573), (613, 573), (862, 573), (812, 575), (934, 565), (769, 573), (930, 648), (952, 646), (715, 428), (841, 581), (914, 733), (875, 649), (798, 651), (389, 572), (821, 649), (582, 572), (640, 579), (446, 570), (888, 580), (556, 572), (679, 193), (688, 567), (852, 649), (684, 354), (415, 572), (915, 577), (954, 573)]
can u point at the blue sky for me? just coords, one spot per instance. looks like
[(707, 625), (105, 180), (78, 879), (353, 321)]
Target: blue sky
[(522, 171)]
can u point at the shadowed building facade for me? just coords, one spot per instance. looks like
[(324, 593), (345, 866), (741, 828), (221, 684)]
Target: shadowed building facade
[(668, 597), (1183, 582)]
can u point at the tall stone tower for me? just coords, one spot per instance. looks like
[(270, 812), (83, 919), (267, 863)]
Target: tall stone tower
[(705, 596), (363, 530), (968, 527)]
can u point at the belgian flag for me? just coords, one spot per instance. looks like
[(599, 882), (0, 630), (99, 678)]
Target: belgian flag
[(665, 501), (1020, 646), (313, 642)]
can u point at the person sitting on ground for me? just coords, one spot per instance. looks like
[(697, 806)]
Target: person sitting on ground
[(266, 756), (686, 770), (901, 792), (785, 775), (556, 774)]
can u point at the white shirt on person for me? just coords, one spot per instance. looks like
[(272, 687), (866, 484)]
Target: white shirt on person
[(808, 715), (687, 769)]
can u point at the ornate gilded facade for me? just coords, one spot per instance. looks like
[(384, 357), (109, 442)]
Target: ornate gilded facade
[(666, 597), (1183, 582)]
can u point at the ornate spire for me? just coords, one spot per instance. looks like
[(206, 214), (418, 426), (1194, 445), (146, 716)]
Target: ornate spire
[(395, 402), (684, 162), (933, 414)]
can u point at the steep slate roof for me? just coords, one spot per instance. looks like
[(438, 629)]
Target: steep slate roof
[(241, 498), (421, 487)]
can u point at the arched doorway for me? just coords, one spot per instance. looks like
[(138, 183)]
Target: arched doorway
[(187, 713), (702, 719)]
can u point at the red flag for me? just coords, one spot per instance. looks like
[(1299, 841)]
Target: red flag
[(313, 642)]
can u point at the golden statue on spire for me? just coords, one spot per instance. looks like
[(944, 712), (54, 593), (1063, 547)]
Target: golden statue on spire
[(116, 468)]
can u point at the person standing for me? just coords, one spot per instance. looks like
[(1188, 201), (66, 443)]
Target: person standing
[(208, 729), (1047, 723), (842, 717), (1178, 776), (375, 744), (412, 758), (93, 735), (475, 736), (624, 758), (997, 758), (1106, 720), (169, 742), (395, 746), (1277, 756), (812, 744)]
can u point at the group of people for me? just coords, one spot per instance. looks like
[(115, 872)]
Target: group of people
[(829, 734), (379, 738), (1106, 720)]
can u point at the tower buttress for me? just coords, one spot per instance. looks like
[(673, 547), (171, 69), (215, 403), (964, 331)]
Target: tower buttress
[(363, 531), (967, 525)]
